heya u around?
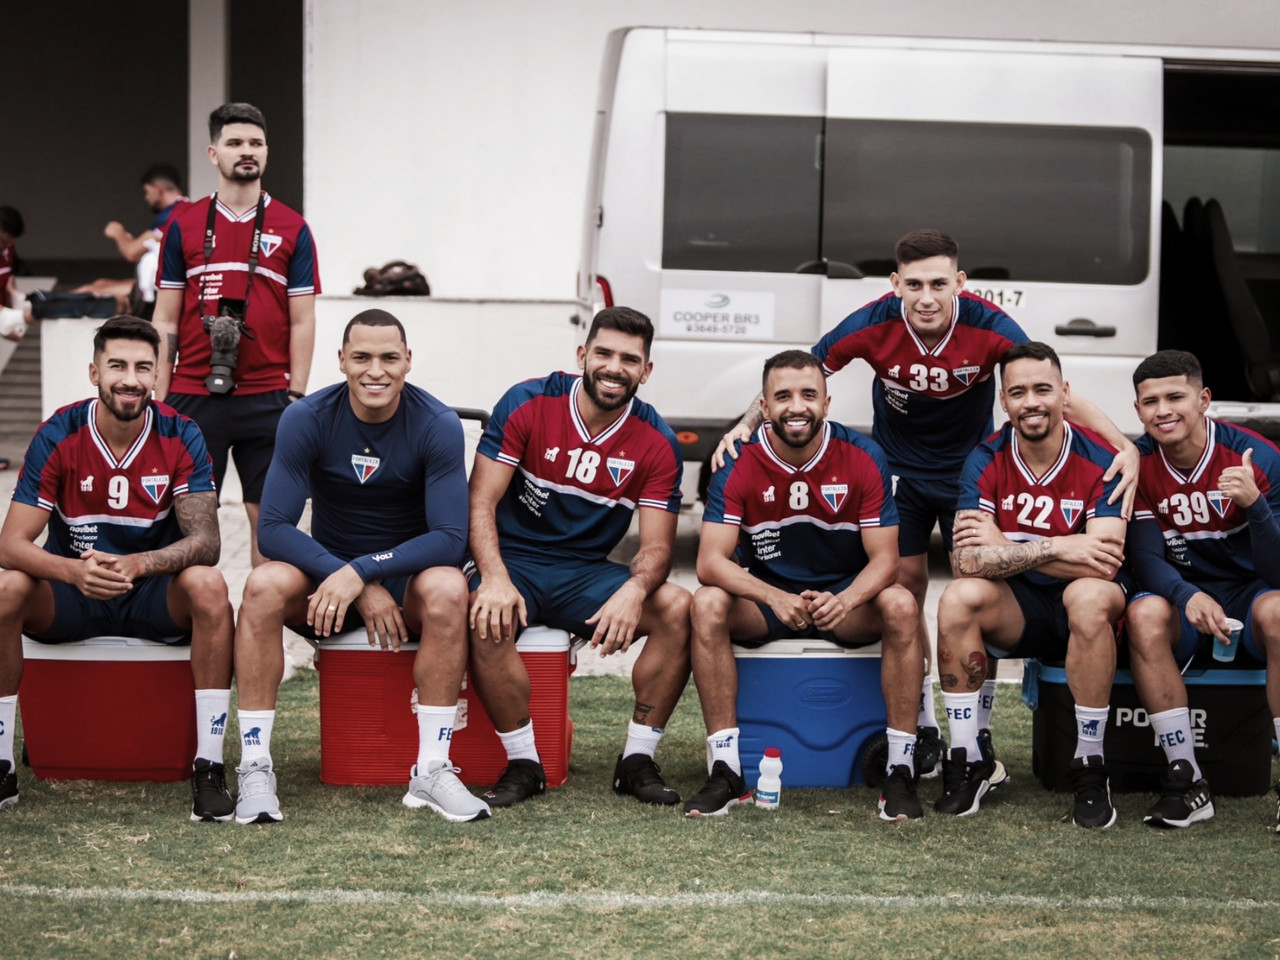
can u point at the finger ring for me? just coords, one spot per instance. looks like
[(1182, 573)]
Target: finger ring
[(333, 606)]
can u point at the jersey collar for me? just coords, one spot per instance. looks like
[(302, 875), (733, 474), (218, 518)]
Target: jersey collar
[(105, 448), (581, 425), (1211, 441), (248, 215), (1053, 471), (946, 337), (762, 434)]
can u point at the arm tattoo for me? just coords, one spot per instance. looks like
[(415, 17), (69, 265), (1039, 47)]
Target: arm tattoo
[(171, 340), (201, 543), (1002, 562)]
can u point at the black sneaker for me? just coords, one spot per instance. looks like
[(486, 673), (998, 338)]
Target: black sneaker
[(521, 780), (930, 749), (1092, 783), (964, 784), (999, 775), (638, 776), (724, 790), (210, 800), (898, 800), (1183, 800), (8, 784)]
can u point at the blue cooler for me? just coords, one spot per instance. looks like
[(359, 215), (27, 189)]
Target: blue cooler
[(820, 704)]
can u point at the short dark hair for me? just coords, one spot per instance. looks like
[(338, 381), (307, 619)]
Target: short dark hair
[(11, 222), (162, 173), (373, 318), (624, 320), (235, 113), (923, 244), (792, 359), (125, 327), (1170, 363), (1031, 350)]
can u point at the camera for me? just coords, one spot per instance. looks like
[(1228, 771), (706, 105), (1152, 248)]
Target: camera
[(225, 331)]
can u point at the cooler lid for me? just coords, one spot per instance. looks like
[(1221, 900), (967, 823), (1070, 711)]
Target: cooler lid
[(805, 648), (105, 648)]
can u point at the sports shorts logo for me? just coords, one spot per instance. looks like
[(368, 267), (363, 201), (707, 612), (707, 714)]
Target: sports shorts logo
[(620, 469), (1220, 502), (966, 374), (270, 243), (1070, 510), (155, 485), (365, 466), (834, 494)]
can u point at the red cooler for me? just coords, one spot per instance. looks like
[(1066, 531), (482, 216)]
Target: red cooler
[(369, 733), (109, 708)]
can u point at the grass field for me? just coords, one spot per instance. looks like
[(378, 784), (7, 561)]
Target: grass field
[(116, 870)]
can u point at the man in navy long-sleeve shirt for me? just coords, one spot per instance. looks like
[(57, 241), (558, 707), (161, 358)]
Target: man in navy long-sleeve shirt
[(1205, 545), (382, 462)]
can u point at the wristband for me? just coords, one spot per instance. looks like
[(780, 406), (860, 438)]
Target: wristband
[(294, 395)]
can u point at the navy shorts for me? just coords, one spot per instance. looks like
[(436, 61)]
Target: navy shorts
[(142, 612), (1047, 628), (1236, 600), (353, 620), (921, 504), (562, 594), (781, 631), (244, 424)]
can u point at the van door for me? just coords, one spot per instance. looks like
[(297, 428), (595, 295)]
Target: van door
[(1046, 167)]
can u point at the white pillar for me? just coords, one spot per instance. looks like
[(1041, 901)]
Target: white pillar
[(207, 51)]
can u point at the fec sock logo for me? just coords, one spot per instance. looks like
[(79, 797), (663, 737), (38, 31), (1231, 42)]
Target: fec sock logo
[(364, 466), (253, 737), (218, 724), (1089, 728)]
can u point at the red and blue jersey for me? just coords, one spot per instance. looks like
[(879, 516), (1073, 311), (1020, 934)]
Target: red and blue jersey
[(803, 525), (98, 502), (7, 255), (1069, 494), (930, 407), (573, 494), (287, 268), (1206, 535)]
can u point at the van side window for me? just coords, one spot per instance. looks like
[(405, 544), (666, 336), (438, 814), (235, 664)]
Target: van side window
[(1055, 204), (742, 192)]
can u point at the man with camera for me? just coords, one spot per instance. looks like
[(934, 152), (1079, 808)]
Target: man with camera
[(236, 306)]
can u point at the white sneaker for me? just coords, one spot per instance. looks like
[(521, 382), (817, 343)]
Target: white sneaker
[(257, 801), (443, 792)]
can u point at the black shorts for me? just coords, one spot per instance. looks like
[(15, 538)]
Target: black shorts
[(244, 424), (781, 631), (143, 612), (1047, 629), (921, 504)]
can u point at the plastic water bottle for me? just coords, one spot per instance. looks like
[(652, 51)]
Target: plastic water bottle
[(769, 786)]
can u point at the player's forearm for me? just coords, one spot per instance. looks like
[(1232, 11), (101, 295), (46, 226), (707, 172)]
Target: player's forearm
[(1090, 416), (165, 320), (1264, 539), (720, 571), (1001, 562), (483, 543), (302, 340), (651, 566), (879, 574), (752, 417), (201, 543), (20, 554), (439, 548)]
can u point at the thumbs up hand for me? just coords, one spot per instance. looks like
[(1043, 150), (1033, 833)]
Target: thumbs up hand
[(1239, 482)]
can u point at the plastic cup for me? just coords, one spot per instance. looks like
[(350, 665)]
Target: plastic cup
[(1226, 652)]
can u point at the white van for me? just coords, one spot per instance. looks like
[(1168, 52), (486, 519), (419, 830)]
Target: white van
[(747, 190)]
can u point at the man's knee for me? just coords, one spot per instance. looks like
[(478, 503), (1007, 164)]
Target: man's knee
[(269, 588), (709, 608), (671, 607), (1093, 606), (204, 587), (16, 591), (442, 592), (898, 611), (963, 599), (1150, 626)]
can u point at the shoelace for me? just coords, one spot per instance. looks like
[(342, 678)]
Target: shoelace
[(255, 782)]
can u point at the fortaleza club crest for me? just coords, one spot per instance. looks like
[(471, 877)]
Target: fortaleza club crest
[(620, 469), (834, 494), (155, 485), (966, 374), (270, 243), (1070, 510), (1220, 502), (364, 466)]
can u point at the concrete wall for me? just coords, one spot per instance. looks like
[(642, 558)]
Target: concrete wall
[(457, 136)]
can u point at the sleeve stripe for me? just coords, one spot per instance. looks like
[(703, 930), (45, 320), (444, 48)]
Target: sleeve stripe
[(508, 459)]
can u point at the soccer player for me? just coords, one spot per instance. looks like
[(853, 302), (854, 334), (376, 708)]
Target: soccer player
[(1205, 545), (934, 349), (383, 464), (242, 255), (807, 506), (565, 462), (125, 489), (1038, 545)]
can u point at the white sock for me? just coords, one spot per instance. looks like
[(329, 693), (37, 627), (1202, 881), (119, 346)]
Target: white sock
[(723, 745), (255, 735), (1173, 730), (902, 750), (928, 712), (211, 722), (1275, 722), (642, 739), (435, 733), (962, 722), (986, 702), (8, 718), (1091, 727), (519, 743)]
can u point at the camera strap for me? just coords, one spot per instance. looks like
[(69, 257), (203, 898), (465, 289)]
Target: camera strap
[(254, 245)]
